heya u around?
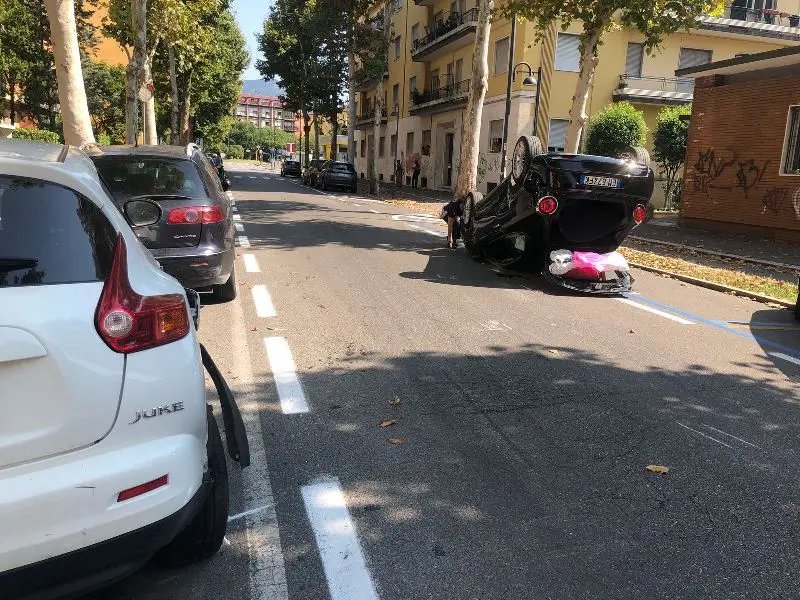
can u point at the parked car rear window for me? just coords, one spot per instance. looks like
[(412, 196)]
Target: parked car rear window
[(343, 167), (50, 234), (128, 176)]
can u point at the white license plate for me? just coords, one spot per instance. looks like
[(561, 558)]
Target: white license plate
[(594, 180)]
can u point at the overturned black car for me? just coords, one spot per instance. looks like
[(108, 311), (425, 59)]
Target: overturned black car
[(562, 214)]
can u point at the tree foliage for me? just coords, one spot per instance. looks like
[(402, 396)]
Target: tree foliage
[(105, 95), (250, 137), (669, 145), (39, 135), (614, 129), (654, 19)]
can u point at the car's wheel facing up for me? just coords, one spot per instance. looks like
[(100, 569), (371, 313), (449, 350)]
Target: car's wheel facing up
[(204, 535)]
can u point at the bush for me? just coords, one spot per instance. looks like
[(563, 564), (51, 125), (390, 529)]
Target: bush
[(235, 151), (614, 129), (103, 139), (39, 135), (669, 147)]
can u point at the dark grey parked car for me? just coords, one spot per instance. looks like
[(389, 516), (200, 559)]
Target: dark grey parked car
[(338, 175), (194, 239)]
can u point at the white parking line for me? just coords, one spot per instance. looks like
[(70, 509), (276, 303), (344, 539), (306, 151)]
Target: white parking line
[(436, 233), (237, 217), (267, 574), (263, 302), (713, 439), (341, 554), (791, 359), (284, 371), (372, 210), (239, 227), (243, 241), (250, 263), (655, 311)]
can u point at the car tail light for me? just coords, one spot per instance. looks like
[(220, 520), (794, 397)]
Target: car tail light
[(195, 214), (547, 205), (143, 489), (639, 214), (130, 322)]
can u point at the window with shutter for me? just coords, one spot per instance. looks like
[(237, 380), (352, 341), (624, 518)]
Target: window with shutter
[(412, 83), (791, 150), (568, 57), (557, 139), (397, 47), (691, 57), (459, 66), (409, 143), (633, 60), (496, 135), (414, 32), (501, 56), (395, 96)]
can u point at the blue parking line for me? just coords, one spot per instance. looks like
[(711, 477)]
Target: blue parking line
[(794, 352)]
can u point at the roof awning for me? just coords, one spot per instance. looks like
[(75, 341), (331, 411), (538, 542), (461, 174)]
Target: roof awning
[(784, 57)]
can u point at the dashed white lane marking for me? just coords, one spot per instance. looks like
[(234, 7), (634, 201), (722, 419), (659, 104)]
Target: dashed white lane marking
[(655, 311), (791, 359), (250, 263), (263, 302), (284, 371), (730, 435), (342, 558), (267, 573), (432, 232), (354, 204), (372, 210), (251, 177), (237, 217), (713, 439), (239, 227), (243, 241)]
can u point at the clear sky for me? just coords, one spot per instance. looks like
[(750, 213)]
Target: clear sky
[(250, 15)]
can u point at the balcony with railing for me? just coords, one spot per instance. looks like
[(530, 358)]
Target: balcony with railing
[(450, 32), (761, 22), (439, 98), (366, 115), (654, 90)]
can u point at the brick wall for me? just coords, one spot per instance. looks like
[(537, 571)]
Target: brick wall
[(734, 156)]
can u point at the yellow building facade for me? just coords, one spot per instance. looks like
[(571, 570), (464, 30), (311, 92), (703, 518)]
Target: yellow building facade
[(430, 65)]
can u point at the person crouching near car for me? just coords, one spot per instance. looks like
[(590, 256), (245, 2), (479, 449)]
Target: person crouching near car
[(452, 213)]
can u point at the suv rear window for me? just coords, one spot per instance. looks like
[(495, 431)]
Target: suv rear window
[(50, 234), (343, 167), (128, 176)]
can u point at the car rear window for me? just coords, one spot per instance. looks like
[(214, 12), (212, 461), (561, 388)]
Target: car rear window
[(292, 163), (343, 167), (50, 234), (129, 176)]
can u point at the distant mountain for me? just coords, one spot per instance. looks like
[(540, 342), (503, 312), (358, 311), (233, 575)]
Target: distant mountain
[(261, 87)]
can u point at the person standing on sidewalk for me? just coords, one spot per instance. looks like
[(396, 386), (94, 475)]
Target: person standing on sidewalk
[(415, 174), (398, 173)]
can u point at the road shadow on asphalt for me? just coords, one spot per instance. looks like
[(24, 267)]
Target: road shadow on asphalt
[(529, 461), (778, 333)]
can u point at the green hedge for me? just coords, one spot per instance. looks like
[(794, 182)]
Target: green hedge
[(235, 151), (614, 129), (39, 135)]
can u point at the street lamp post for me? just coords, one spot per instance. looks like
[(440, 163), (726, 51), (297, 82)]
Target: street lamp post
[(529, 80)]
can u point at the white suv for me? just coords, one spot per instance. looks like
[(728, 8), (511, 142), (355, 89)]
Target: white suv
[(108, 451)]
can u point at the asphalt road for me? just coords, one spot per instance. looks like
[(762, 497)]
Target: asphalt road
[(523, 422)]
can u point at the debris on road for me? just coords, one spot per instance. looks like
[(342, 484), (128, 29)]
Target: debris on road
[(394, 401), (397, 441), (387, 423), (660, 469)]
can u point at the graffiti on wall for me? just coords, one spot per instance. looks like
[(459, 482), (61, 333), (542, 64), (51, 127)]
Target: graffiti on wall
[(750, 174), (709, 169), (781, 201)]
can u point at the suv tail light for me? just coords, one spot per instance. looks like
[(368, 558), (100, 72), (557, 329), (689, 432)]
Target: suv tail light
[(547, 205), (195, 214), (130, 322), (639, 214)]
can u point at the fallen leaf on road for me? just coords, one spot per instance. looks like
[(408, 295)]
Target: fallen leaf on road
[(660, 469), (387, 423), (632, 331), (254, 329), (394, 401), (397, 441), (552, 351)]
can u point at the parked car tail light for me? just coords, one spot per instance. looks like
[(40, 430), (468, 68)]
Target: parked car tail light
[(143, 489), (130, 322), (639, 214), (195, 214), (547, 205)]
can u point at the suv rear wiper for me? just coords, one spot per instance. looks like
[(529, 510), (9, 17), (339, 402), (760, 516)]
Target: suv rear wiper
[(14, 263), (161, 196)]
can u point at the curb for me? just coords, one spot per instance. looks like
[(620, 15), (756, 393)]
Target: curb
[(715, 286), (747, 259)]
